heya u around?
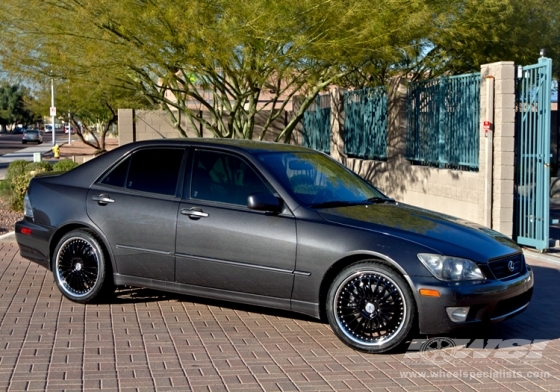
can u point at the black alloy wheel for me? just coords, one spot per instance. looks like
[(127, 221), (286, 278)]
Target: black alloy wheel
[(370, 307), (80, 266)]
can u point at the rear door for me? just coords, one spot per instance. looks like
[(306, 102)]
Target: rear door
[(223, 244), (135, 205)]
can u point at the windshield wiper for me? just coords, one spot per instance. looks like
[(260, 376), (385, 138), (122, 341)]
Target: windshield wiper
[(336, 203), (378, 199)]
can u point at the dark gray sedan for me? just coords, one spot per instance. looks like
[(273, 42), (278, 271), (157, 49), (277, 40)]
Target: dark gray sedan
[(271, 225)]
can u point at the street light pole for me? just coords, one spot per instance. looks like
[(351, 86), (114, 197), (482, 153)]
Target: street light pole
[(52, 114), (69, 129)]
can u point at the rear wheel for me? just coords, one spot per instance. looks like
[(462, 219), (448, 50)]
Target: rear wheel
[(370, 307), (80, 267)]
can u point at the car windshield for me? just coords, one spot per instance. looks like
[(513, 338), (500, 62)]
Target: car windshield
[(32, 132), (317, 181)]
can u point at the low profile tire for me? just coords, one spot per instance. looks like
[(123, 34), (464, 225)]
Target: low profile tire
[(370, 307), (80, 267)]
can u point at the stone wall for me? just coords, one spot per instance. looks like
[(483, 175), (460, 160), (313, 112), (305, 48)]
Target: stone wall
[(137, 125)]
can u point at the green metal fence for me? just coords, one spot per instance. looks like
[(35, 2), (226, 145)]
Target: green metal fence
[(532, 154), (317, 124), (365, 123), (443, 122)]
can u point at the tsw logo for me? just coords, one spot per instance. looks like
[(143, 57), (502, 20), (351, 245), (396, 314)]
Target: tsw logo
[(441, 349)]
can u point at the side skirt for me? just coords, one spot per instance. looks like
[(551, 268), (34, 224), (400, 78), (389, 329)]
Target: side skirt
[(307, 308)]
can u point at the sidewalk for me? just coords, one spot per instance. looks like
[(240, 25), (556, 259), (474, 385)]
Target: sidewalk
[(25, 154)]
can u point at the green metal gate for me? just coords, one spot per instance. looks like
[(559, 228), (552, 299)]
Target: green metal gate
[(443, 121), (532, 154), (317, 124), (365, 123)]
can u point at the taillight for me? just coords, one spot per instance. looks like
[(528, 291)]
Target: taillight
[(27, 209)]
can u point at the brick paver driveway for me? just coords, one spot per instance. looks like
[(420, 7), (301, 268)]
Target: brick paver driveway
[(147, 340)]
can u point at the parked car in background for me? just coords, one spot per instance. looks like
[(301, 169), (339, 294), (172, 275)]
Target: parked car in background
[(32, 135), (68, 128), (272, 225)]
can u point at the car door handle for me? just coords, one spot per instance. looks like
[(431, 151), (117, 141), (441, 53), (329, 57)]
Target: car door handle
[(102, 199), (194, 213)]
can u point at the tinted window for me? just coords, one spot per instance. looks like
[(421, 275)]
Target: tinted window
[(224, 178), (155, 170), (117, 176)]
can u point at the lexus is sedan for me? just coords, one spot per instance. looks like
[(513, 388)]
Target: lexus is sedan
[(273, 225)]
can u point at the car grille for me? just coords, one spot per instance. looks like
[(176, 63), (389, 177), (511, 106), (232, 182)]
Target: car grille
[(501, 267)]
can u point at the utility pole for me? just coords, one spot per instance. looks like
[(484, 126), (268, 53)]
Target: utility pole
[(53, 112)]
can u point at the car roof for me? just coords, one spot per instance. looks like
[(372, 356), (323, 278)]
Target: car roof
[(250, 146), (86, 173)]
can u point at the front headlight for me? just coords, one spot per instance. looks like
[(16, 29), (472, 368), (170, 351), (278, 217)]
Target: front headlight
[(451, 268)]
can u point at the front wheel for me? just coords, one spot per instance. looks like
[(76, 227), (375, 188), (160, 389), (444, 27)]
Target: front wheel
[(370, 307), (80, 267)]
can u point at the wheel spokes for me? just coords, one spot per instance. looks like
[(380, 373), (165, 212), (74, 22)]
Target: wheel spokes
[(77, 266), (369, 307)]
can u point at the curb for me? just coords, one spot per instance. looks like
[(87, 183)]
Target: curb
[(541, 256), (7, 235)]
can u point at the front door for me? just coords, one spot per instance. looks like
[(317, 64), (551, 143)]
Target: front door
[(223, 244)]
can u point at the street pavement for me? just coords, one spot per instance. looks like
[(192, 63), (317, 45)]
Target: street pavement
[(145, 340)]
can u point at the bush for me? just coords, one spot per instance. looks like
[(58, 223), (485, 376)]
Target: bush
[(17, 180), (64, 165), (20, 172)]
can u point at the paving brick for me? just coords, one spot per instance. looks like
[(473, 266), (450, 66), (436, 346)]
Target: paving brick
[(145, 340)]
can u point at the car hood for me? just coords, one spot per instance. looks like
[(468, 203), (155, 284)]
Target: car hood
[(442, 233)]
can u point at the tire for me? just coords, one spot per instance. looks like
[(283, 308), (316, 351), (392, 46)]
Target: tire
[(81, 268), (370, 307)]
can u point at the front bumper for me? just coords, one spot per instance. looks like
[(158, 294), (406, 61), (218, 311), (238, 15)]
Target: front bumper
[(490, 302)]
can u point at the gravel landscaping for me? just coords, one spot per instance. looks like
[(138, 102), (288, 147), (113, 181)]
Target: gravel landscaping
[(8, 218)]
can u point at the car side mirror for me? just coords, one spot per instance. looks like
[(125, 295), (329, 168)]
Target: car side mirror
[(264, 202)]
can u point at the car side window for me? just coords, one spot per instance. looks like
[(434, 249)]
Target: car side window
[(224, 178), (117, 176), (153, 170)]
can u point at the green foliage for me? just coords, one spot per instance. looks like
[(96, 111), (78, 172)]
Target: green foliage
[(20, 173), (17, 180), (241, 60), (13, 105), (38, 167), (236, 60), (64, 165)]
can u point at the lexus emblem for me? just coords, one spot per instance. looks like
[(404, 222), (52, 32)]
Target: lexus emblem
[(511, 266)]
